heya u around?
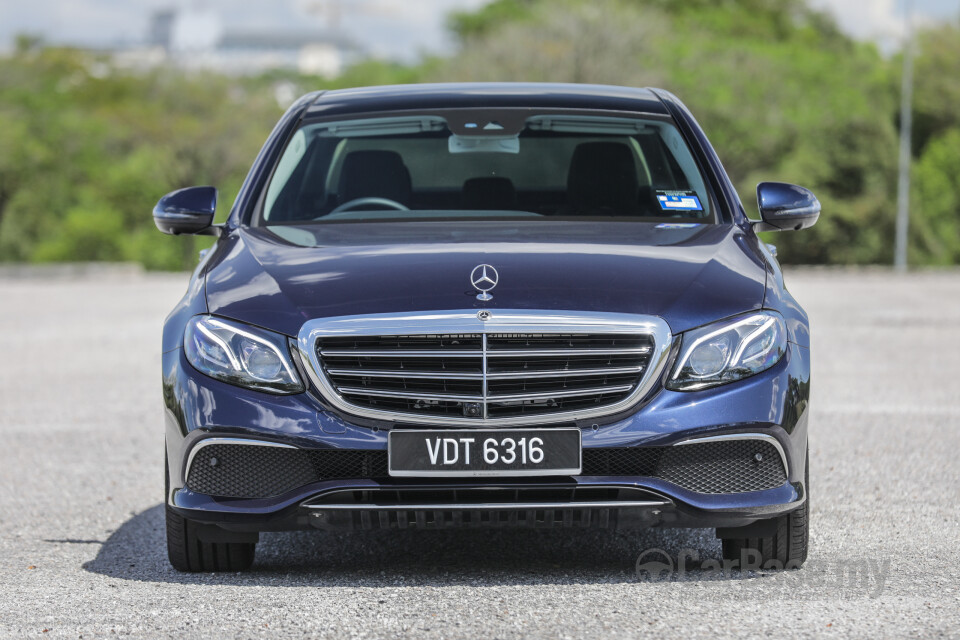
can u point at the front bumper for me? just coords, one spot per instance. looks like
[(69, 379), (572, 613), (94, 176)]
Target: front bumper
[(772, 405)]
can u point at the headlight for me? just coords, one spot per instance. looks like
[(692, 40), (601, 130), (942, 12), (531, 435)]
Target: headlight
[(241, 355), (727, 351)]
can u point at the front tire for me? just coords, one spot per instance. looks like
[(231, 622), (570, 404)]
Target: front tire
[(786, 548), (189, 553)]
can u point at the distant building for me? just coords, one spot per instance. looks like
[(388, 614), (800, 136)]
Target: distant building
[(161, 28), (196, 39), (307, 52)]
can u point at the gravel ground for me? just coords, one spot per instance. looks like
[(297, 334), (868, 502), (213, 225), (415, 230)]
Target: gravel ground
[(82, 546)]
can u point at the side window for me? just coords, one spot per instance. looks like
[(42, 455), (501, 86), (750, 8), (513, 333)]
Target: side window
[(680, 155), (285, 168)]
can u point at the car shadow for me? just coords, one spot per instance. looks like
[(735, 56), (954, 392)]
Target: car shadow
[(137, 551)]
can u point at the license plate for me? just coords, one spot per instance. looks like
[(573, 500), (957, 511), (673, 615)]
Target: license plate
[(478, 452)]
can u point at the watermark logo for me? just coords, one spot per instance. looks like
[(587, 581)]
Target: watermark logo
[(846, 578), (655, 565)]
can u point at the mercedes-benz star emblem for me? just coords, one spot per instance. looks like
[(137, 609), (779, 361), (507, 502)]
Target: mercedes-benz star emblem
[(484, 278)]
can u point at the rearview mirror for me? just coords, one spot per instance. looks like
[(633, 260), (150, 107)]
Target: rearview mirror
[(187, 211), (785, 207)]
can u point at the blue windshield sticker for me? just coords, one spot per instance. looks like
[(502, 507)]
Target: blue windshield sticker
[(679, 201)]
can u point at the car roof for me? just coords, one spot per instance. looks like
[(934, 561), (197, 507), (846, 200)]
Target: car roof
[(484, 95)]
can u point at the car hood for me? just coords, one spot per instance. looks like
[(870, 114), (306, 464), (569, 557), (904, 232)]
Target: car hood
[(279, 277)]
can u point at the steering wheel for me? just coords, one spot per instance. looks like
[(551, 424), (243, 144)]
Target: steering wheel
[(350, 205)]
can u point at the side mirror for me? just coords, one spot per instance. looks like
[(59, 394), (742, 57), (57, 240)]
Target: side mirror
[(786, 207), (188, 211)]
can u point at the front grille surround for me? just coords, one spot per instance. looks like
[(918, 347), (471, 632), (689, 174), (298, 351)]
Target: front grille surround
[(513, 368)]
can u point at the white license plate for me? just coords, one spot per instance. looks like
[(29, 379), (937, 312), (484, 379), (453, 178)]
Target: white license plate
[(484, 452)]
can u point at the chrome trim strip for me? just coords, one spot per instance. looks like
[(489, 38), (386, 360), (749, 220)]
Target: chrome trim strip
[(560, 394), (387, 393), (412, 353), (217, 440), (490, 505), (745, 436), (563, 373), (372, 373), (560, 353), (520, 375), (497, 353), (416, 395), (467, 322)]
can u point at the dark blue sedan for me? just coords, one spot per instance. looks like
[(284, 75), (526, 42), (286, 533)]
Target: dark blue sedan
[(486, 305)]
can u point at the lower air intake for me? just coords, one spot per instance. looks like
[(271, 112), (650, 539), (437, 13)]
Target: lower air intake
[(250, 471)]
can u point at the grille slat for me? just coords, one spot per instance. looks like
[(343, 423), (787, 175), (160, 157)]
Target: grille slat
[(386, 393), (560, 394), (561, 353), (561, 373), (478, 376), (361, 353), (519, 375), (374, 373)]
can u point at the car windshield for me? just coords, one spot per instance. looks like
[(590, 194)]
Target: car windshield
[(509, 164)]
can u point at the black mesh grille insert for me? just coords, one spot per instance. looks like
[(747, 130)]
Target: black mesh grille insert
[(256, 471), (727, 466), (252, 471), (622, 461)]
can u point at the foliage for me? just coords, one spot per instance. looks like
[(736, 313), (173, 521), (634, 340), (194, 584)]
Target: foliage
[(489, 18), (937, 199), (86, 148), (937, 81)]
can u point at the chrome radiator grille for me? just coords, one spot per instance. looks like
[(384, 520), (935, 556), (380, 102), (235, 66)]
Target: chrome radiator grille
[(505, 368), (485, 376)]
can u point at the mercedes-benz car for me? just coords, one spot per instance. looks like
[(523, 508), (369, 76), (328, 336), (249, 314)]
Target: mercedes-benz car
[(486, 305)]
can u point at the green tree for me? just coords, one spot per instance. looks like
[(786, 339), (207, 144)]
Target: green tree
[(937, 83), (936, 237), (89, 148)]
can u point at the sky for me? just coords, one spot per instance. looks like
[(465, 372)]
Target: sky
[(400, 29), (883, 20)]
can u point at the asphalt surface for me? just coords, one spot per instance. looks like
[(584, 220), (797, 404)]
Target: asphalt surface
[(81, 524)]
